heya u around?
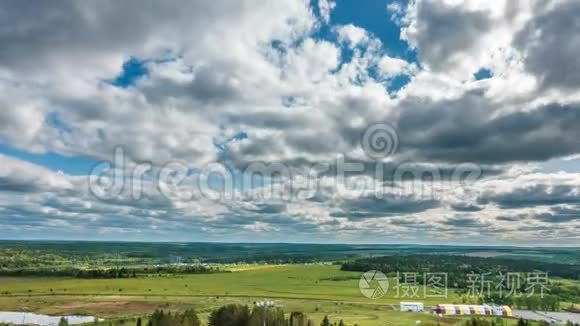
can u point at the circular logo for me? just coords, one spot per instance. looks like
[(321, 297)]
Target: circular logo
[(379, 141), (373, 284)]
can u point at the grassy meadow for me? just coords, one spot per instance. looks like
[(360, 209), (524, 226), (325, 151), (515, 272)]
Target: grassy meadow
[(65, 278), (317, 290)]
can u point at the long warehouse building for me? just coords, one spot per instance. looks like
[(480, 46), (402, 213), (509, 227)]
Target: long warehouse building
[(467, 309)]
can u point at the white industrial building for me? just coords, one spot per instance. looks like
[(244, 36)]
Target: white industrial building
[(412, 306)]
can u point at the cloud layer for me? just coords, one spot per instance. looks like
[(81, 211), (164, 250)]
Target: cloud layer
[(228, 85)]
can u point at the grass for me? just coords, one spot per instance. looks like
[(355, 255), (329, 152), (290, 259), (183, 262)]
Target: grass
[(316, 282), (317, 290)]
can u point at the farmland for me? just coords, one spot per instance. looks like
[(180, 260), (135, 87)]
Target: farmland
[(317, 290), (52, 278)]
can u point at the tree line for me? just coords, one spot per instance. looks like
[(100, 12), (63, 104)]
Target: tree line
[(457, 266), (521, 292), (110, 272), (242, 315), (232, 315)]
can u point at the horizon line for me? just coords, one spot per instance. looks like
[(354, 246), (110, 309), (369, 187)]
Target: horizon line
[(292, 243)]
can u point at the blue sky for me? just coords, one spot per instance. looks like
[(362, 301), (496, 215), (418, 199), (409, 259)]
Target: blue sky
[(74, 165)]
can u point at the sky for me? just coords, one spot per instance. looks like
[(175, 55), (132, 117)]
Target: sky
[(379, 121)]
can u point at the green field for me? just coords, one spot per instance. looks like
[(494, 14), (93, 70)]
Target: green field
[(84, 278), (317, 290)]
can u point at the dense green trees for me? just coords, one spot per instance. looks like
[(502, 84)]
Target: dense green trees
[(186, 318), (267, 316), (497, 280), (477, 321), (326, 322), (457, 267), (298, 319), (19, 254), (109, 272), (240, 315), (232, 315), (547, 303), (236, 315)]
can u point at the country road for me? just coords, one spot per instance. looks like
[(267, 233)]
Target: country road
[(551, 317)]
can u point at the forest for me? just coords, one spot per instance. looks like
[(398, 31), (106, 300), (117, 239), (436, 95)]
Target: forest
[(481, 277), (457, 266)]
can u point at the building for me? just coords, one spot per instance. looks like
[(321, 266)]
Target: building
[(468, 309), (412, 306)]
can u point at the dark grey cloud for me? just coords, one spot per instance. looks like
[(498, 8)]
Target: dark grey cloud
[(373, 207), (560, 215), (78, 30), (508, 218), (536, 195), (444, 30), (551, 42), (28, 220), (268, 208), (464, 222), (465, 130), (466, 207), (29, 178), (15, 185), (212, 85), (410, 223), (415, 168), (280, 222)]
